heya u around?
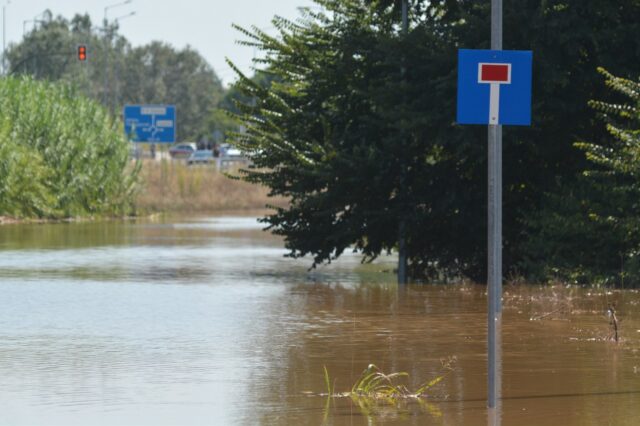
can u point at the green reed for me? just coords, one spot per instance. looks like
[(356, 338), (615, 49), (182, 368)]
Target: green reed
[(61, 154), (378, 394), (374, 384)]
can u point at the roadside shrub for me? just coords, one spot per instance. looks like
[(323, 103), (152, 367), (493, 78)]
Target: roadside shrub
[(61, 154)]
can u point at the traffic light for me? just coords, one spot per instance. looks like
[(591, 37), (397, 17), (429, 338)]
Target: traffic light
[(82, 52)]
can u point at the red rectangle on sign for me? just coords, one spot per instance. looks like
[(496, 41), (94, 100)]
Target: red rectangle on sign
[(495, 72)]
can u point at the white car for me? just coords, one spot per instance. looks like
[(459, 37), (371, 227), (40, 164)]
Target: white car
[(233, 152)]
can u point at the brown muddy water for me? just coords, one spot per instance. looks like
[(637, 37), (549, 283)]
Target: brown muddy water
[(204, 322)]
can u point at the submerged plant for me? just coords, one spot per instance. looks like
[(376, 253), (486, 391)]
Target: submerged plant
[(375, 392), (374, 384), (327, 381)]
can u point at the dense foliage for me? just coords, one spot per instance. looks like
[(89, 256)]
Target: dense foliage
[(358, 128), (591, 229), (117, 73), (61, 154)]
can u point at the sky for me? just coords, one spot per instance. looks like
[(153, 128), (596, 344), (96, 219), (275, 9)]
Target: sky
[(205, 25)]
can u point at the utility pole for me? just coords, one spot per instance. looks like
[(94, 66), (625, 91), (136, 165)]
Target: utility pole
[(494, 270), (402, 225)]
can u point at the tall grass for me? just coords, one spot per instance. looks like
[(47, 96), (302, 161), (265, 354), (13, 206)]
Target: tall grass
[(173, 187), (61, 154)]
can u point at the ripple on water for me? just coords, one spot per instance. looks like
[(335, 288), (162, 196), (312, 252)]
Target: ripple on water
[(205, 321)]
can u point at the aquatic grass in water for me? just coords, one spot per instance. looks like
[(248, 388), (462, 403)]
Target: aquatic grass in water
[(327, 381), (374, 385), (379, 394)]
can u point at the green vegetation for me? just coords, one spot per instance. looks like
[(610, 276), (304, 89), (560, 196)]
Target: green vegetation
[(375, 384), (61, 154), (357, 128), (327, 381), (589, 229), (374, 389)]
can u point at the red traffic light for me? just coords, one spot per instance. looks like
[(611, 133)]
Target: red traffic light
[(82, 52)]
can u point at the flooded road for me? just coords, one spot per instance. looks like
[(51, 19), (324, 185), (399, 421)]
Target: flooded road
[(204, 322)]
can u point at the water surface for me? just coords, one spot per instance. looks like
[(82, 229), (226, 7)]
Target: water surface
[(204, 322)]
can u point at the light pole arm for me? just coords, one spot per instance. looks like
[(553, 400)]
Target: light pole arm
[(112, 6)]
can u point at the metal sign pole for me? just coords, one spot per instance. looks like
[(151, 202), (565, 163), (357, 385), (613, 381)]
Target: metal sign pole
[(402, 225), (494, 281)]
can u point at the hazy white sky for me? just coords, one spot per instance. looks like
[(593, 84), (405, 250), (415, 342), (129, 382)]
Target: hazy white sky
[(203, 24)]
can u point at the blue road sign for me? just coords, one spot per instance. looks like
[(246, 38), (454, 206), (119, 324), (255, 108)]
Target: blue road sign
[(150, 123), (494, 87)]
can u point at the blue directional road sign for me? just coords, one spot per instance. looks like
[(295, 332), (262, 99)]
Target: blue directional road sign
[(150, 123), (494, 87)]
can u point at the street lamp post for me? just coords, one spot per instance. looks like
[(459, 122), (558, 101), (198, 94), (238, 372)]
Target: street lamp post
[(4, 36), (116, 91), (123, 17), (24, 32), (402, 224), (42, 17), (107, 35), (112, 6), (29, 21)]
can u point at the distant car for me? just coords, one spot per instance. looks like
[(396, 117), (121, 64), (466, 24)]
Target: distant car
[(230, 156), (182, 150), (201, 156), (233, 152), (230, 151)]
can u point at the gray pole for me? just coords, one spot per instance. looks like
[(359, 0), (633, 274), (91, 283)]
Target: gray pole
[(4, 39), (494, 281), (108, 34), (4, 36), (107, 44), (115, 86), (402, 226), (405, 16)]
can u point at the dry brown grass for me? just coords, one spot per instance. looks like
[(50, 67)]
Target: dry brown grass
[(171, 187)]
